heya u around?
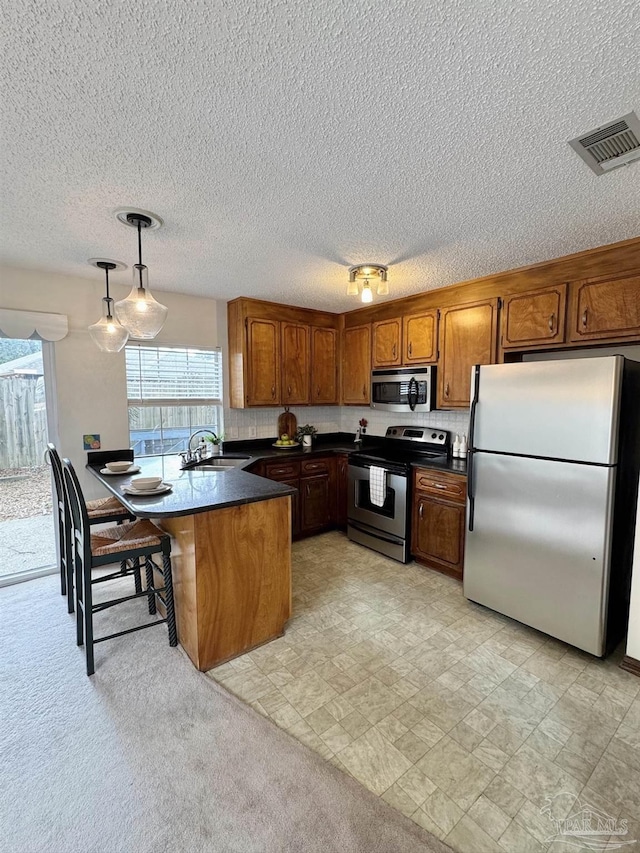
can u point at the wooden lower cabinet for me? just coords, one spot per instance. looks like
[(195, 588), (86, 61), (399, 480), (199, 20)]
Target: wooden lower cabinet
[(295, 506), (315, 503), (313, 509), (342, 490), (438, 520)]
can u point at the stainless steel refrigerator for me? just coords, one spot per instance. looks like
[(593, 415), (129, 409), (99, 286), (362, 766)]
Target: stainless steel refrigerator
[(553, 466)]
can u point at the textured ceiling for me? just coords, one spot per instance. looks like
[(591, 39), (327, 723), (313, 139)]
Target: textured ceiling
[(283, 141)]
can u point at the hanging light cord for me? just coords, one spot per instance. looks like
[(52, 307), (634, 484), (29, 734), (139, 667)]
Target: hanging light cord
[(106, 276), (140, 253)]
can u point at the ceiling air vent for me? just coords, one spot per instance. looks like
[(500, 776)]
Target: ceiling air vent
[(612, 145)]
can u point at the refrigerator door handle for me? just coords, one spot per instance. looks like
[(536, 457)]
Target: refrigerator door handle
[(472, 424), (474, 402), (470, 495)]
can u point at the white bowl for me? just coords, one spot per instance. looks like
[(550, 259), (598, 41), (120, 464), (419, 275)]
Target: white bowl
[(118, 467), (145, 484)]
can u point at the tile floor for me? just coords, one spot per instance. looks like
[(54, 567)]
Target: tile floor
[(479, 729)]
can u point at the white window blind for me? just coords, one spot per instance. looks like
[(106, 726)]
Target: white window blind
[(159, 376)]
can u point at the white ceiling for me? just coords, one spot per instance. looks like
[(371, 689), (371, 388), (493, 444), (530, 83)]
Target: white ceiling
[(283, 141)]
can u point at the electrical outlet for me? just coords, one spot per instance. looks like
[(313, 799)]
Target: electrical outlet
[(252, 432)]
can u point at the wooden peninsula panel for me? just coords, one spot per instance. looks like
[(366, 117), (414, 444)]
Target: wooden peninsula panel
[(232, 578)]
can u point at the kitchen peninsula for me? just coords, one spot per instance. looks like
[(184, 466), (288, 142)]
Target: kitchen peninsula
[(231, 552)]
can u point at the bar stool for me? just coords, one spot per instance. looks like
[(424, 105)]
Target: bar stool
[(124, 543), (100, 511)]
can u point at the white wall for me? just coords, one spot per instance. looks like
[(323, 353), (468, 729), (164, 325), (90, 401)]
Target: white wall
[(90, 385)]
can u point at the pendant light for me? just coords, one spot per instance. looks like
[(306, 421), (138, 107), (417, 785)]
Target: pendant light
[(141, 314), (108, 334)]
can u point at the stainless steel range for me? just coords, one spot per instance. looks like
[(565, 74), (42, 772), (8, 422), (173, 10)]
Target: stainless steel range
[(379, 501)]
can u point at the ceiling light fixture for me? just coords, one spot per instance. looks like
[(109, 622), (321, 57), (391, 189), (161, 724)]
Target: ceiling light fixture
[(364, 272), (108, 334), (141, 314)]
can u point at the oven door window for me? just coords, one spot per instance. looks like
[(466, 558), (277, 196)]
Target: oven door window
[(363, 500)]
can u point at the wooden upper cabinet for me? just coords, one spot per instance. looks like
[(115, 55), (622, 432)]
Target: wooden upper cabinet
[(356, 365), (468, 336), (420, 338), (605, 308), (387, 343), (263, 362), (324, 366), (534, 318), (295, 364)]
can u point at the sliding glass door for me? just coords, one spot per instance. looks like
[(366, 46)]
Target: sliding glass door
[(27, 534)]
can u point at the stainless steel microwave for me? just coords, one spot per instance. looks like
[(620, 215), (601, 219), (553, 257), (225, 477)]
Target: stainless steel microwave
[(404, 389)]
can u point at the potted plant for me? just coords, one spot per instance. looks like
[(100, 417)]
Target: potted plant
[(216, 442), (305, 434)]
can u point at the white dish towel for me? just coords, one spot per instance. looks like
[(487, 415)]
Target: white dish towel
[(377, 485)]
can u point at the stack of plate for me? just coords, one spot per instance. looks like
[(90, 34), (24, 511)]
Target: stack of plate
[(143, 486)]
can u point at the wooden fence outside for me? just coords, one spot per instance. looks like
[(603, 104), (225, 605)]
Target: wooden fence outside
[(23, 422)]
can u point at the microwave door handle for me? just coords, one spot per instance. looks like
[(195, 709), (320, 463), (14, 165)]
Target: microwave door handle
[(412, 395)]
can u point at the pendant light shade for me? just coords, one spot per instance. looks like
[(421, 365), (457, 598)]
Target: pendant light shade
[(141, 314), (108, 334)]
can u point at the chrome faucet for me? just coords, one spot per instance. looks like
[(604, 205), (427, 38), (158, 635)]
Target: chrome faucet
[(190, 455)]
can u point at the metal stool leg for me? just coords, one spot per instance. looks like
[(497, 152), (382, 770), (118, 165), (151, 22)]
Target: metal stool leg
[(79, 593), (151, 598), (168, 599), (137, 579), (88, 619)]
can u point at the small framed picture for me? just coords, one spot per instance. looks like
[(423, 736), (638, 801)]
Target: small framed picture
[(91, 442)]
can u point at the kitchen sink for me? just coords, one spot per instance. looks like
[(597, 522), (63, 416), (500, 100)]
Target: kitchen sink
[(219, 463)]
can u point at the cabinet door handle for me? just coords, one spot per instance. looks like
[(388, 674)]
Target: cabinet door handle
[(420, 510), (409, 347), (289, 390), (393, 351), (552, 322), (585, 315), (318, 391), (308, 490), (364, 391), (273, 390), (438, 485), (446, 390)]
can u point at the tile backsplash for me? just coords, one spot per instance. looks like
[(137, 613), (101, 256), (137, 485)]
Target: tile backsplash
[(455, 421), (262, 423)]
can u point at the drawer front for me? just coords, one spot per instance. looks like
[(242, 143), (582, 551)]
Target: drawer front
[(450, 487), (282, 470), (315, 466)]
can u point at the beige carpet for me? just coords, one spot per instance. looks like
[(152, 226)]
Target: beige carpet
[(150, 755)]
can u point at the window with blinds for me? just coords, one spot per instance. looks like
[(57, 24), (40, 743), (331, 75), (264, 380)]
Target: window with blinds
[(157, 375), (172, 392)]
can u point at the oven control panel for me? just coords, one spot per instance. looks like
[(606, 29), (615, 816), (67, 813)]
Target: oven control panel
[(420, 435)]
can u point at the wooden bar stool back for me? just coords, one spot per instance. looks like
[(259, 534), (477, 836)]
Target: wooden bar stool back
[(100, 511), (131, 542)]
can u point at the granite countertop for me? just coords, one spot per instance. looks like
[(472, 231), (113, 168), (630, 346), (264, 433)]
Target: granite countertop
[(453, 466), (199, 489), (337, 443)]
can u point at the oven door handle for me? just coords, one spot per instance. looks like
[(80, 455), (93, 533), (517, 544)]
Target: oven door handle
[(412, 393)]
